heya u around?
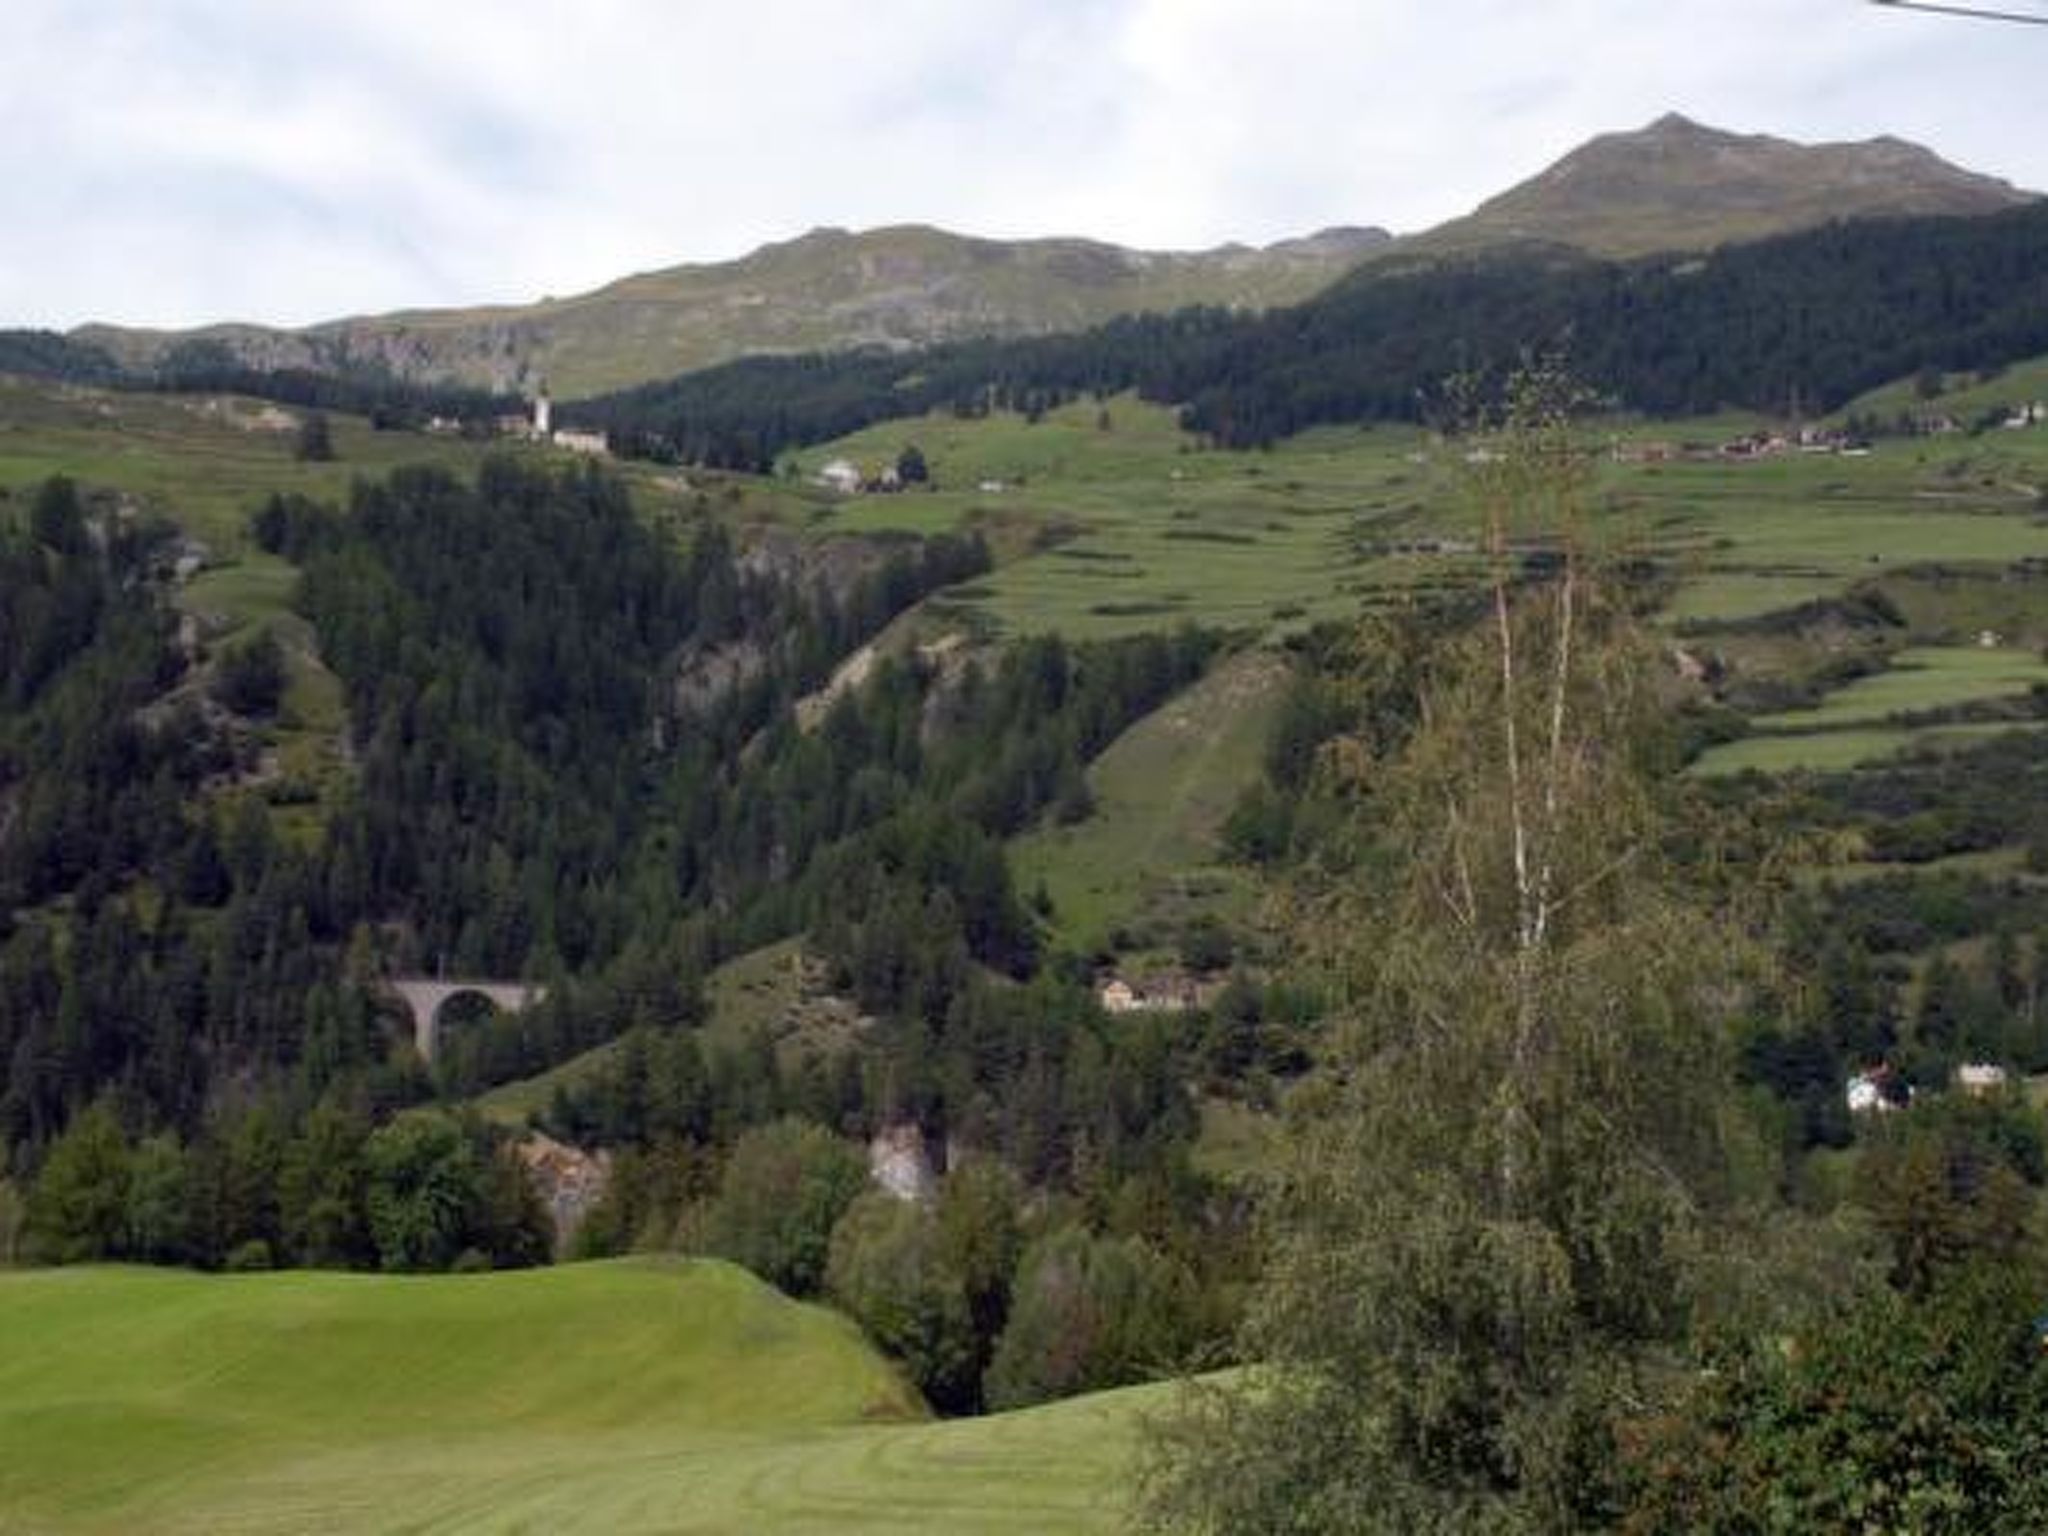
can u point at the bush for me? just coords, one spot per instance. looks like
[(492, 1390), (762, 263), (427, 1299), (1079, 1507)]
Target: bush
[(1088, 1313), (13, 1216), (784, 1190), (252, 1257), (1904, 1416), (423, 1176), (889, 1270), (251, 680), (78, 1209), (314, 442)]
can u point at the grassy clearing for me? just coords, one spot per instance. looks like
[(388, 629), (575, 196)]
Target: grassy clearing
[(1985, 861), (1963, 396), (631, 1396), (1724, 595), (205, 461), (519, 1103), (1162, 792)]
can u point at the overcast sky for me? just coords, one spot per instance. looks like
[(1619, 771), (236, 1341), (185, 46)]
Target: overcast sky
[(177, 161)]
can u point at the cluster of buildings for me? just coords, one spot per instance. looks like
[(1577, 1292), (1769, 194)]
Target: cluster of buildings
[(1163, 992), (847, 478), (1879, 1090), (1751, 445), (539, 427)]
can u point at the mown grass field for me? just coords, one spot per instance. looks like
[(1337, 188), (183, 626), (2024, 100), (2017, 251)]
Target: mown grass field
[(669, 1396)]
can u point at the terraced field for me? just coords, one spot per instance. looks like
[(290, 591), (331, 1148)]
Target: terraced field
[(1140, 529), (629, 1396), (1870, 718)]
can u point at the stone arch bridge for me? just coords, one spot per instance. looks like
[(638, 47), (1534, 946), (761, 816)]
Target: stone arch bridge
[(425, 997)]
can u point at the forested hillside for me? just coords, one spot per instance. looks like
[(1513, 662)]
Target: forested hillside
[(575, 758), (1803, 322)]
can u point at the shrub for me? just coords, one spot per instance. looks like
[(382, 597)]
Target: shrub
[(252, 1257), (784, 1189)]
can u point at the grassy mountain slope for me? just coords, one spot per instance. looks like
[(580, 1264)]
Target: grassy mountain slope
[(612, 1397), (1679, 185), (1150, 854), (896, 287), (1142, 533)]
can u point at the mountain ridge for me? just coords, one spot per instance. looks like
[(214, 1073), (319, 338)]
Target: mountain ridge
[(897, 286), (1672, 185)]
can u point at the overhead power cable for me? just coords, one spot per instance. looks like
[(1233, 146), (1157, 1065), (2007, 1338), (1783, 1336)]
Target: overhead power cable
[(1975, 13)]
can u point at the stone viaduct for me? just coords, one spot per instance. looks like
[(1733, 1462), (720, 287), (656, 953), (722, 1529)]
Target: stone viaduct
[(426, 996)]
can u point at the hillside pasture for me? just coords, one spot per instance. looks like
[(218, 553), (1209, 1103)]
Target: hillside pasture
[(1140, 527), (1919, 679), (1871, 718), (1150, 850)]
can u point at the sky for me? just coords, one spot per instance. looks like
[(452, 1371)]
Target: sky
[(174, 162)]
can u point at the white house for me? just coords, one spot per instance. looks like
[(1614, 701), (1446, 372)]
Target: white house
[(582, 440), (841, 475), (1164, 993), (1979, 1078), (1118, 996), (1871, 1093)]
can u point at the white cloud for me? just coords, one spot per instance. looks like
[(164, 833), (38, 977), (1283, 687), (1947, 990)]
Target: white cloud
[(178, 160)]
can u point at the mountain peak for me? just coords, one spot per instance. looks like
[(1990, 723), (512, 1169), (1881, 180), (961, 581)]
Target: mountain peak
[(1678, 184)]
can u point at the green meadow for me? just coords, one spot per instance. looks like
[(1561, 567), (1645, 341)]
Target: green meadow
[(1835, 751), (1921, 678), (205, 460), (636, 1395), (1162, 790), (1138, 527), (1871, 718)]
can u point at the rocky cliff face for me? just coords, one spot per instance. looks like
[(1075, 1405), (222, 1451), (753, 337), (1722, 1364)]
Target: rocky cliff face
[(569, 1181)]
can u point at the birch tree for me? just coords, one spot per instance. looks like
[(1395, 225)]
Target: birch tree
[(1489, 1226)]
